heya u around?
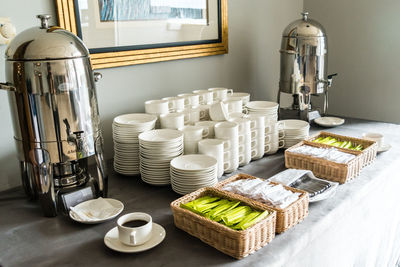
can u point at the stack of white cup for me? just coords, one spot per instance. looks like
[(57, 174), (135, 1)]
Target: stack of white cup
[(245, 142), (190, 100), (216, 148), (274, 134), (229, 131), (157, 107), (257, 135), (191, 136)]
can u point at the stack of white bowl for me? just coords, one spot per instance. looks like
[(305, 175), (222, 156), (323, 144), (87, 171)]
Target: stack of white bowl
[(257, 135), (126, 129), (274, 137), (157, 149), (157, 107), (295, 131), (266, 108), (191, 172), (229, 132)]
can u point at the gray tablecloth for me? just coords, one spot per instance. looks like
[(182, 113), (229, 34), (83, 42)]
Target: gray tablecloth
[(359, 226)]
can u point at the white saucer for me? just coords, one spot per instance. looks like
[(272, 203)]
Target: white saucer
[(384, 148), (111, 240), (116, 203), (329, 121)]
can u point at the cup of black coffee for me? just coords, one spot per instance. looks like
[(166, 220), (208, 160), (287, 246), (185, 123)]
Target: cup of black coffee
[(134, 229)]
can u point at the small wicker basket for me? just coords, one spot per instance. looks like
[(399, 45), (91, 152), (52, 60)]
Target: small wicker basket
[(285, 218), (368, 153), (325, 169), (237, 244)]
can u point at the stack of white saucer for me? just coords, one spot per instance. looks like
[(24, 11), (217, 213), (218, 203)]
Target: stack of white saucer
[(191, 172), (126, 129), (265, 108), (157, 149), (295, 131)]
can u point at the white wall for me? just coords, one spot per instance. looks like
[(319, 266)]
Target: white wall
[(364, 43), (252, 65)]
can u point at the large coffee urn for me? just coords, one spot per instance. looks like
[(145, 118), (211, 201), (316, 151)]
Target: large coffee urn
[(52, 96)]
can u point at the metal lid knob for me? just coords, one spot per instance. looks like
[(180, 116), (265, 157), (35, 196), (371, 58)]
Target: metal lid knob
[(305, 15), (44, 20)]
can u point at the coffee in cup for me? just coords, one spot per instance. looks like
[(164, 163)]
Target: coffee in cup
[(134, 229)]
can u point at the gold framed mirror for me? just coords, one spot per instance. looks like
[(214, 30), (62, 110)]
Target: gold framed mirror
[(126, 32)]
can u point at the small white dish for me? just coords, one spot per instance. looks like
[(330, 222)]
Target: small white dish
[(111, 240), (329, 121), (384, 148), (116, 203)]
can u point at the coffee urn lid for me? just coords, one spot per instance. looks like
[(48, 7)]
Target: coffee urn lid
[(304, 27), (45, 43)]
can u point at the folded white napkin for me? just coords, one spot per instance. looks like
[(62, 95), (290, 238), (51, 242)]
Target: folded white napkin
[(263, 191), (94, 210), (331, 154)]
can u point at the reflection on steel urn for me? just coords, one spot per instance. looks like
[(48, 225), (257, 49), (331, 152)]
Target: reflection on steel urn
[(52, 96), (303, 70)]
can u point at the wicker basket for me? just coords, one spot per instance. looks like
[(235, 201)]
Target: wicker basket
[(325, 169), (368, 153), (287, 217), (237, 244)]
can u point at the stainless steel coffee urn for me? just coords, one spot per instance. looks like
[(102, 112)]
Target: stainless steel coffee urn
[(52, 96), (303, 70)]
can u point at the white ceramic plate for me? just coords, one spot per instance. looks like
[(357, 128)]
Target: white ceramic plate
[(196, 162), (111, 201), (161, 135), (329, 121), (257, 105), (384, 148), (111, 240), (134, 119)]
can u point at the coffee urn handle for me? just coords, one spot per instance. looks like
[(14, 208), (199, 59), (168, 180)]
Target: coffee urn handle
[(7, 87), (44, 21)]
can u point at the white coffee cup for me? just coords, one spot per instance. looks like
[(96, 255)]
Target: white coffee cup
[(156, 106), (235, 105), (134, 236), (194, 133), (175, 103), (190, 99), (219, 111), (172, 120), (220, 93), (191, 146), (214, 148), (377, 137), (205, 96), (210, 126), (244, 96)]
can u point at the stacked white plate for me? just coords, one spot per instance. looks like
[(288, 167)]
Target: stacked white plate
[(266, 108), (191, 172), (126, 129), (295, 131), (157, 148)]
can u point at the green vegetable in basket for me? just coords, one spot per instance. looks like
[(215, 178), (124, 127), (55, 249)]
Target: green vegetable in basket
[(236, 215), (249, 221), (336, 143), (221, 209)]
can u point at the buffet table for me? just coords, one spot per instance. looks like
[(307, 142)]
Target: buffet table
[(359, 226)]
